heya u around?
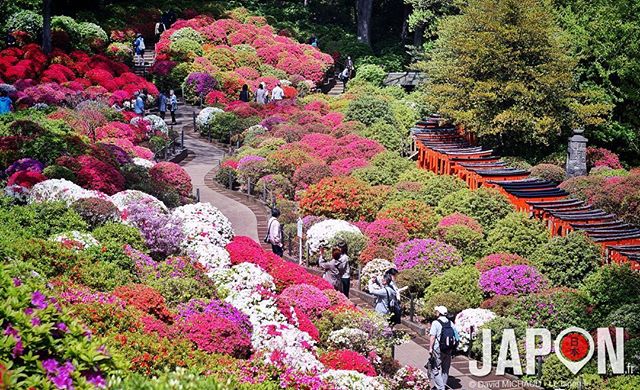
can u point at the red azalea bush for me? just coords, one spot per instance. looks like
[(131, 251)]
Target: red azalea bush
[(341, 198), (98, 175), (287, 160), (311, 300), (601, 157), (25, 179), (305, 324), (418, 218), (375, 252), (286, 274), (345, 359), (310, 173), (172, 175), (498, 260), (386, 232), (243, 249), (216, 334), (144, 298)]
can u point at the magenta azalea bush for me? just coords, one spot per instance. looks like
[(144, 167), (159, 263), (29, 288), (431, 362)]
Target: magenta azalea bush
[(310, 299), (386, 232), (512, 280), (435, 256)]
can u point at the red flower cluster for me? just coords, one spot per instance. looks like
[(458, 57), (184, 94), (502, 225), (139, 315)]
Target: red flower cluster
[(215, 334), (173, 176), (345, 359), (144, 298)]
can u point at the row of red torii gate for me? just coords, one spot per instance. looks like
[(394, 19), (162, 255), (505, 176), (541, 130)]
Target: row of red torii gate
[(447, 150)]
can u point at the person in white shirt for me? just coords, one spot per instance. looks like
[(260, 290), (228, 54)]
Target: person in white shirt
[(274, 233), (441, 360), (277, 93)]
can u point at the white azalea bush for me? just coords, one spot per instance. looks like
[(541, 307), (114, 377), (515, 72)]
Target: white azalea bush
[(352, 380), (205, 117), (123, 199), (61, 190), (143, 162), (349, 338), (157, 124), (471, 318), (205, 220), (320, 234), (374, 268)]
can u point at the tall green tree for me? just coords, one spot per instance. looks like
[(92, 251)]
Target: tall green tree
[(503, 69)]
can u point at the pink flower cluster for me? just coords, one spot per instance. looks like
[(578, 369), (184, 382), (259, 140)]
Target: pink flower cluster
[(512, 280)]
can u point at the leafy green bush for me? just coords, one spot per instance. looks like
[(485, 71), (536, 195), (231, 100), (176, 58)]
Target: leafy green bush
[(369, 110), (373, 74), (567, 260), (626, 316), (95, 212), (468, 241), (549, 172), (111, 253), (486, 205), (418, 218), (518, 234), (462, 280), (59, 172), (388, 135), (385, 168), (453, 301), (624, 382), (417, 279), (92, 37), (42, 220), (120, 234), (355, 245), (611, 287), (497, 326), (103, 275), (47, 258), (27, 21), (185, 49)]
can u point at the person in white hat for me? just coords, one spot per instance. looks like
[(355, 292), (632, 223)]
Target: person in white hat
[(442, 345)]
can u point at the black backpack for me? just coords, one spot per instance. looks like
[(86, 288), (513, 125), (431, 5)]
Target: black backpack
[(448, 343)]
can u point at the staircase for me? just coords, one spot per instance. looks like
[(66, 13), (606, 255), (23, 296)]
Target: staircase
[(141, 69), (337, 89)]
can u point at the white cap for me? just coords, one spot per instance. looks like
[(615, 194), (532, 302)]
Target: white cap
[(442, 310)]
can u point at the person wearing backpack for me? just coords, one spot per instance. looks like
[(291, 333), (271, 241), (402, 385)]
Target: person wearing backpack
[(442, 344)]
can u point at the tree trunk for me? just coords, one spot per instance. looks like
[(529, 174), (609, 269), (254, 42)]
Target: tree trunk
[(46, 27), (418, 35), (404, 32), (364, 8)]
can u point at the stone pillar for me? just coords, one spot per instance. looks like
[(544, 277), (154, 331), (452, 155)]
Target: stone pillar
[(577, 154)]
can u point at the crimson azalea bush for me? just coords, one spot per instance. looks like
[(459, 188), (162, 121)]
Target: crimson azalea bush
[(144, 298), (371, 252), (310, 173), (340, 198), (417, 218), (98, 175), (601, 157), (344, 359), (215, 334), (172, 175), (386, 232), (311, 300)]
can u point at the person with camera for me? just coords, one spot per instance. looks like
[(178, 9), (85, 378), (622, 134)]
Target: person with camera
[(274, 233), (332, 268), (387, 296)]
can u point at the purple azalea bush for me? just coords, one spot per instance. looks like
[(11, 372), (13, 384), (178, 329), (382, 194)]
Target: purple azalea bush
[(217, 307), (512, 280), (24, 164), (435, 256), (200, 83), (161, 233)]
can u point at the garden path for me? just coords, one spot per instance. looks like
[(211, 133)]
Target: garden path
[(203, 159)]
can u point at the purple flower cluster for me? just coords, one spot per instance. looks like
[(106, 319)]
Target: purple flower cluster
[(200, 83), (24, 164), (435, 255), (161, 233), (217, 307), (271, 121), (512, 280), (59, 374), (144, 264), (19, 347), (247, 161), (79, 295)]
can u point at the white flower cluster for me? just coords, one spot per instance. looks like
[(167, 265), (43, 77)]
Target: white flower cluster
[(471, 318), (245, 276), (143, 162), (348, 338), (321, 233), (157, 124), (213, 258), (374, 268), (61, 190), (124, 198), (352, 380), (203, 120), (297, 345), (82, 240), (207, 221)]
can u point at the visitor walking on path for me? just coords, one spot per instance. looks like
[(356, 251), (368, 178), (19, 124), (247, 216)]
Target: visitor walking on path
[(244, 94), (332, 269), (173, 106), (261, 94), (6, 105), (442, 344), (274, 233), (345, 268), (138, 107), (138, 46), (162, 104), (277, 94)]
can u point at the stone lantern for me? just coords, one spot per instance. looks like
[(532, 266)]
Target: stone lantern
[(577, 154)]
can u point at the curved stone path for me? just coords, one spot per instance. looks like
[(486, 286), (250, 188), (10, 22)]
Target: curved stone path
[(202, 160)]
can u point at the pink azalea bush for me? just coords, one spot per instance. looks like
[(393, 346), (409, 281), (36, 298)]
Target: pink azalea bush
[(386, 232), (311, 300)]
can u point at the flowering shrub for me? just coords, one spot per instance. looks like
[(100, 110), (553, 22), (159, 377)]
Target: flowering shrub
[(204, 120), (97, 175), (252, 168), (309, 299), (172, 175), (163, 235), (216, 334), (512, 280), (417, 218), (371, 252), (486, 205), (600, 157), (470, 319), (549, 172), (198, 84), (499, 259), (320, 234), (554, 309), (340, 198), (436, 256), (374, 268), (145, 299), (386, 232), (408, 377), (344, 359), (310, 173), (95, 211), (456, 219)]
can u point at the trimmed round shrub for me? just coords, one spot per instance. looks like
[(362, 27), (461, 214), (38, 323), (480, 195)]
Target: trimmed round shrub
[(368, 109), (287, 160), (276, 183), (461, 280), (456, 219), (386, 232), (601, 157), (371, 252), (454, 302), (518, 234), (512, 280), (310, 173), (344, 359), (416, 217), (341, 198), (568, 260), (374, 268), (121, 234), (388, 135), (100, 176), (548, 172), (59, 172), (144, 298), (497, 326), (384, 168), (96, 212), (499, 259), (214, 333), (172, 175), (611, 287), (310, 299), (417, 279), (435, 256), (373, 74), (486, 205)]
